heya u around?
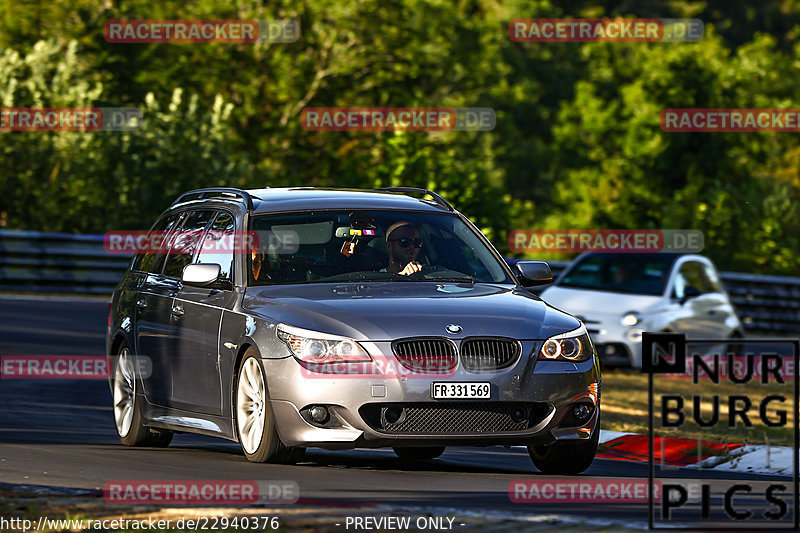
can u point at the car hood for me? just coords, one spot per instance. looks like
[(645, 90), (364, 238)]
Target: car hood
[(387, 311), (586, 302)]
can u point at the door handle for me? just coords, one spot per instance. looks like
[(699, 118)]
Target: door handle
[(712, 312), (141, 303), (177, 310)]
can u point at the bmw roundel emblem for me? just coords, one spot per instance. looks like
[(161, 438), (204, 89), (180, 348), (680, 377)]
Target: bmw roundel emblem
[(453, 328)]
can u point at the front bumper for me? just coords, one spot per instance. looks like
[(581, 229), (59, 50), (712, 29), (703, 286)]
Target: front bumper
[(616, 344), (553, 387)]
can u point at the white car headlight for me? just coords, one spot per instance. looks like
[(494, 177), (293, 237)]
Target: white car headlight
[(574, 346), (315, 347), (630, 319)]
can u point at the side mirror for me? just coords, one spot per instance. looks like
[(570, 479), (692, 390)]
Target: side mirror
[(689, 293), (201, 275), (533, 273)]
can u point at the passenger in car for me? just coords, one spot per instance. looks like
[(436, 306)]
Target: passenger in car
[(257, 260)]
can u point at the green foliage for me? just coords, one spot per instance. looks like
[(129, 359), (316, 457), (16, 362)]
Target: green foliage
[(577, 143), (621, 170), (95, 181)]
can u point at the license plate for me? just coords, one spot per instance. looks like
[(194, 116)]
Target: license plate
[(478, 390)]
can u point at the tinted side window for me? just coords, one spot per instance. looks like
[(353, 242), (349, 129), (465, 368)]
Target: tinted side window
[(690, 274), (184, 242), (217, 247), (152, 260)]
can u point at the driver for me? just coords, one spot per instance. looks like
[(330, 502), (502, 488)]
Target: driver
[(403, 244), (623, 275)]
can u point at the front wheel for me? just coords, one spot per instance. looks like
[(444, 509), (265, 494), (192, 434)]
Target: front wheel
[(255, 420), (566, 458), (127, 409), (735, 348), (422, 453)]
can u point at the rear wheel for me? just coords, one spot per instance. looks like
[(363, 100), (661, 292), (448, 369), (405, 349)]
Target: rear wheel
[(127, 410), (566, 458), (255, 421), (422, 453)]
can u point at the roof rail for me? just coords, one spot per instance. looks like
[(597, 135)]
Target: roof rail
[(221, 191), (439, 200)]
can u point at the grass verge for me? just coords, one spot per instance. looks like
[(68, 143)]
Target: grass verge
[(625, 408)]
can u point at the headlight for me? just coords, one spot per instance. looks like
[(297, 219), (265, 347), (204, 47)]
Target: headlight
[(630, 319), (315, 347), (574, 346)]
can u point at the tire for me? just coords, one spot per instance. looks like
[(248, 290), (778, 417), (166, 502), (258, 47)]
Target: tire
[(735, 348), (255, 420), (565, 458), (127, 409), (422, 453)]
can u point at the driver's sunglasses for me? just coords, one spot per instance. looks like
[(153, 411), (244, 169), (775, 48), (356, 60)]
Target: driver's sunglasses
[(405, 242)]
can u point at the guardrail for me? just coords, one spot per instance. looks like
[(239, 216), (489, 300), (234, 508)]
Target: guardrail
[(32, 261)]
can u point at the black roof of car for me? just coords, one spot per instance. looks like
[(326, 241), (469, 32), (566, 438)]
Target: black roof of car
[(304, 198), (283, 199)]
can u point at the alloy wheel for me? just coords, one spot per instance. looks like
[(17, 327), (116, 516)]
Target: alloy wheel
[(250, 405), (124, 392)]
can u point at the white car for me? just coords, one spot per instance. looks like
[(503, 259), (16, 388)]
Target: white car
[(619, 296)]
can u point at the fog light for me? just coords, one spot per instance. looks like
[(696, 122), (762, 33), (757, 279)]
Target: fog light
[(634, 335), (610, 349), (319, 414), (581, 412), (393, 414), (518, 414)]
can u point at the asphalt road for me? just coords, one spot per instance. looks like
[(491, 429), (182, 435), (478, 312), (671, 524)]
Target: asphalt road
[(61, 433)]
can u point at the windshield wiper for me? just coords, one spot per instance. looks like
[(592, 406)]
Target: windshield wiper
[(465, 279)]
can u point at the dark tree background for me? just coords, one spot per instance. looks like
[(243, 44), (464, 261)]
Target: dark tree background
[(577, 142)]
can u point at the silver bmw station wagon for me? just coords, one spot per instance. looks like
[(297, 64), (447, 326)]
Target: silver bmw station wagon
[(288, 318)]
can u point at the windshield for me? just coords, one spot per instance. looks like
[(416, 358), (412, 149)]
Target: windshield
[(361, 245), (631, 273)]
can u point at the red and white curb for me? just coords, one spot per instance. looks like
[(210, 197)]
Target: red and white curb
[(697, 454), (758, 459), (672, 452)]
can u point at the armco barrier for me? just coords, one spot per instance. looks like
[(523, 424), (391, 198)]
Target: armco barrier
[(62, 263), (58, 263)]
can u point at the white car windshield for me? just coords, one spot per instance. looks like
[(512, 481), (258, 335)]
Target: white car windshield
[(631, 273)]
